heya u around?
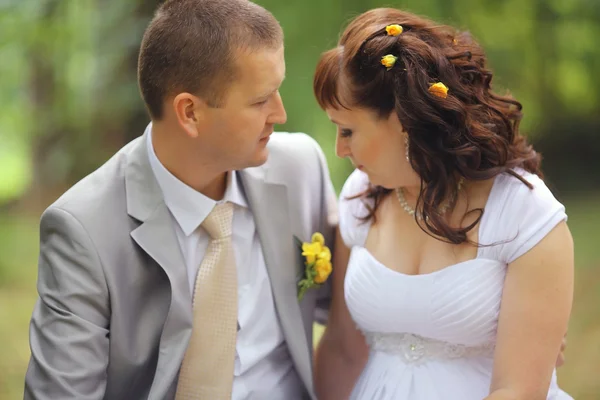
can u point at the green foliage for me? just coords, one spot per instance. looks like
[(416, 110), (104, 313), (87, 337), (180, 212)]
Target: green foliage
[(68, 81), (70, 97)]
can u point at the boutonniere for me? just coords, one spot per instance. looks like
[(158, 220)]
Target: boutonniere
[(317, 263)]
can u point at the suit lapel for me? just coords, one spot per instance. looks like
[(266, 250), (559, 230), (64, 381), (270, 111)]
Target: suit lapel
[(269, 205), (156, 236)]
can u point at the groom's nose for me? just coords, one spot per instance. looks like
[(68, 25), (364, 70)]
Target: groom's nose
[(278, 115)]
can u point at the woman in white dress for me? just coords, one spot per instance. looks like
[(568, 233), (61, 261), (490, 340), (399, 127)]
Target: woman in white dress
[(453, 269)]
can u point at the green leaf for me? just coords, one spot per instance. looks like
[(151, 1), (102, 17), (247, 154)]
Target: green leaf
[(308, 271), (301, 292)]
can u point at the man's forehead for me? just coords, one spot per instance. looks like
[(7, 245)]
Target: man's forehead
[(261, 67)]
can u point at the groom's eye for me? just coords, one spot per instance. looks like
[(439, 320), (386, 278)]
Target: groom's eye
[(345, 133)]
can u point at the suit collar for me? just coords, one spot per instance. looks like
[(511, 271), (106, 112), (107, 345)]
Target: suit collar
[(143, 192)]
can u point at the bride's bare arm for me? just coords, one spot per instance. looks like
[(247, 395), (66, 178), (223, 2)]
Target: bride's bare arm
[(535, 309), (342, 352)]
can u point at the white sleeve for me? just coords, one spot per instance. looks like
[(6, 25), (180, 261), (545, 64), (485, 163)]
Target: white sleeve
[(529, 215), (352, 228)]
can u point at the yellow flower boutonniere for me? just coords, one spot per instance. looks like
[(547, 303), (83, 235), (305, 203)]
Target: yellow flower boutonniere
[(317, 264)]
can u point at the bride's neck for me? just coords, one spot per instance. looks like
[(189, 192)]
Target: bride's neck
[(411, 193)]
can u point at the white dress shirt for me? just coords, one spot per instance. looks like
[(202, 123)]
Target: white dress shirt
[(263, 365)]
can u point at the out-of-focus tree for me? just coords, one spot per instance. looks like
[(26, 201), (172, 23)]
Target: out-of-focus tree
[(69, 96)]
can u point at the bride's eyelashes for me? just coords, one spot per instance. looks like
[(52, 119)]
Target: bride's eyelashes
[(345, 133)]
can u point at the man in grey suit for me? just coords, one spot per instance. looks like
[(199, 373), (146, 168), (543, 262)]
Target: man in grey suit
[(120, 251)]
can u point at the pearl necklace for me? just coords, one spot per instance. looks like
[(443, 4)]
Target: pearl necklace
[(441, 210)]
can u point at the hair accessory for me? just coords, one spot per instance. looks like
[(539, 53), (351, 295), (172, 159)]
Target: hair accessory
[(394, 30), (439, 90), (388, 61)]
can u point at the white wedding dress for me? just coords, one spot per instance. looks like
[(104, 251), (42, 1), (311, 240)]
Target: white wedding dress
[(432, 336)]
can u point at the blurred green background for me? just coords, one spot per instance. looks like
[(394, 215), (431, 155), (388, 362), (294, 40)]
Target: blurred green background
[(68, 100)]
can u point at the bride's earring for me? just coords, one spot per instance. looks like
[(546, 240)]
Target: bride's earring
[(406, 143)]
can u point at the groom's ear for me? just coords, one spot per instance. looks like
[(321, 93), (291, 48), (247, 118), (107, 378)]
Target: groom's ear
[(191, 112)]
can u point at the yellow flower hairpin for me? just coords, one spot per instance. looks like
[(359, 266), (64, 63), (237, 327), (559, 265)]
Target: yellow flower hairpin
[(394, 30), (388, 61), (439, 90)]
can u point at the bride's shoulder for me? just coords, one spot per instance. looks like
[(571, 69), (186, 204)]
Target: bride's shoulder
[(353, 208), (520, 214), (513, 193), (356, 184)]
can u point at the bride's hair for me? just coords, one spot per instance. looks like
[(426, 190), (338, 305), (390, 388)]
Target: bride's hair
[(471, 133)]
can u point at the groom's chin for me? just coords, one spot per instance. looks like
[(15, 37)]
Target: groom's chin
[(260, 157)]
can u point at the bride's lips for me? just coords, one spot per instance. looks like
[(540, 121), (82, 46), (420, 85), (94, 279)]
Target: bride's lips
[(265, 138)]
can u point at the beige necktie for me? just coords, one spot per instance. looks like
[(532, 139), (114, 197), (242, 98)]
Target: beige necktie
[(207, 369)]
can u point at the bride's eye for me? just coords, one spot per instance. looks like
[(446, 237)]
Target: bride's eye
[(345, 133)]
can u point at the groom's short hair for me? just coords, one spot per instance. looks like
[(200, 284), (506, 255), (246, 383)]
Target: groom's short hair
[(191, 46)]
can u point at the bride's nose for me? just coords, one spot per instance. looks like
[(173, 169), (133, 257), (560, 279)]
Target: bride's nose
[(342, 147)]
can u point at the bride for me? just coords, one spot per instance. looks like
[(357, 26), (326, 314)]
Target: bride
[(453, 274)]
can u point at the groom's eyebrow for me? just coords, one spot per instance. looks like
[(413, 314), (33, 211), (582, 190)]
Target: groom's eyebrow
[(265, 95)]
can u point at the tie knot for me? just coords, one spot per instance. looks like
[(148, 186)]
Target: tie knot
[(218, 222)]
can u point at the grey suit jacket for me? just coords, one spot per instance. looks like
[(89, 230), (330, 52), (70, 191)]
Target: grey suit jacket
[(114, 317)]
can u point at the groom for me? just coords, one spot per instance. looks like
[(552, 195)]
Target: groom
[(123, 312)]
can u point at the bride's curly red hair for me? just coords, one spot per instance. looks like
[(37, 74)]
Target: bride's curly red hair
[(473, 132)]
